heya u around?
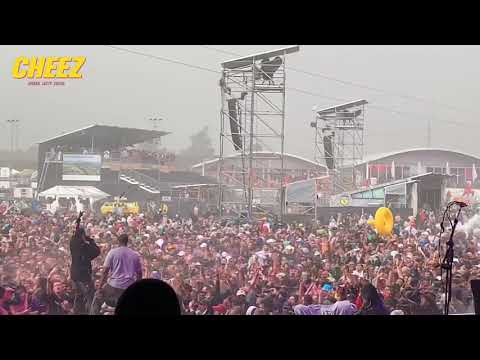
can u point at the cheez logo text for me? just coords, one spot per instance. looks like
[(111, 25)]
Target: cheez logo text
[(50, 67)]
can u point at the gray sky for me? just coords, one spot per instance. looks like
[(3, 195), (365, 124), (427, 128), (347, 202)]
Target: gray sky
[(125, 90)]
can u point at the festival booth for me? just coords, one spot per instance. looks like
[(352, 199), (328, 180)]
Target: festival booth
[(79, 194), (82, 192)]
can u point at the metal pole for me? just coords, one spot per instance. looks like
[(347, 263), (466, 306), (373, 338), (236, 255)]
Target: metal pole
[(429, 130), (14, 135), (10, 123), (220, 162), (250, 160), (157, 143), (12, 129), (17, 128), (282, 180)]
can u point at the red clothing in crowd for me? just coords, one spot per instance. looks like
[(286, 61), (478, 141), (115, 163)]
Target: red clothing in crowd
[(423, 216), (358, 302), (265, 228), (468, 191)]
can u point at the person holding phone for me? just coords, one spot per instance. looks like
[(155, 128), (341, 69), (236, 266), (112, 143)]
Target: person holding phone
[(83, 250)]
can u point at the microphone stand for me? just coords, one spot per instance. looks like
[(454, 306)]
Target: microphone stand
[(447, 263)]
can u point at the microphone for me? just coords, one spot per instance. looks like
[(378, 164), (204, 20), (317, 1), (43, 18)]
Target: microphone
[(460, 203)]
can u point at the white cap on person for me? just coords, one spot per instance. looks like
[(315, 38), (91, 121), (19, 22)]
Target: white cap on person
[(251, 310), (241, 292)]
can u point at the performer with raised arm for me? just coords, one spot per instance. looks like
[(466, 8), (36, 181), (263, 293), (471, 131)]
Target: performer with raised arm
[(83, 250)]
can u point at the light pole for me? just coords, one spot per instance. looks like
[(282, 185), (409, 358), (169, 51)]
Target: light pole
[(155, 122), (13, 126), (157, 143), (13, 129)]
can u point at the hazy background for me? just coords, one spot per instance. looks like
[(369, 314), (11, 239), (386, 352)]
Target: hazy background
[(125, 89)]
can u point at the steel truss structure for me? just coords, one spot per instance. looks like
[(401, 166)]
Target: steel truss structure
[(252, 117), (339, 142)]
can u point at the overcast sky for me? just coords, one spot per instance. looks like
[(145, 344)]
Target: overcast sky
[(126, 89)]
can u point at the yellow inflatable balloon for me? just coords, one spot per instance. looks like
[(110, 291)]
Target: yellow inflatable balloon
[(383, 221)]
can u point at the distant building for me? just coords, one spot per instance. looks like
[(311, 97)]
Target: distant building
[(389, 178), (387, 167), (295, 168)]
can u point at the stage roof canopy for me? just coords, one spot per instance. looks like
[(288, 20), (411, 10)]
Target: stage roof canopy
[(104, 135), (342, 107), (247, 60)]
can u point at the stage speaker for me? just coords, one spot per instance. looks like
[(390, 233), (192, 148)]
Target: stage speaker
[(269, 67), (234, 127), (328, 150), (475, 285)]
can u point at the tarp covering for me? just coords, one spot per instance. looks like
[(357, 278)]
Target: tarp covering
[(83, 192), (26, 173)]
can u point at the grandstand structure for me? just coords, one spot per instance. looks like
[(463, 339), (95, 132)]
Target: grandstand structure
[(97, 156)]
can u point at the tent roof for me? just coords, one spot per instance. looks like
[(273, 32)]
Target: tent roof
[(26, 172), (74, 191), (334, 109), (105, 135), (375, 157), (259, 154), (414, 178)]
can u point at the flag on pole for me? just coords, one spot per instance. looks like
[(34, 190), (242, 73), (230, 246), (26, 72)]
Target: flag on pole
[(474, 173), (419, 168), (366, 172), (468, 174), (447, 170), (393, 169)]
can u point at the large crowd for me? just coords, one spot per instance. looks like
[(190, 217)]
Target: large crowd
[(139, 155), (228, 268)]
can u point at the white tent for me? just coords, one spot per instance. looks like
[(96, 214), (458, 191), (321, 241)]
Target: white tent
[(82, 192)]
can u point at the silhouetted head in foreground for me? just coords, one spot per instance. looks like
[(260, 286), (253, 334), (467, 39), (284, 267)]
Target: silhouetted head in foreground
[(372, 302), (148, 297)]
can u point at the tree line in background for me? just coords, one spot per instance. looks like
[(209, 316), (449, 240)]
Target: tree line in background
[(20, 159), (200, 149)]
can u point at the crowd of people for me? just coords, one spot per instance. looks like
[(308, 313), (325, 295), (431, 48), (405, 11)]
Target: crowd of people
[(125, 154), (226, 268), (139, 155)]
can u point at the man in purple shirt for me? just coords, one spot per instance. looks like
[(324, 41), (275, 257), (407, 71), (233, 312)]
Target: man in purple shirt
[(339, 308), (122, 267)]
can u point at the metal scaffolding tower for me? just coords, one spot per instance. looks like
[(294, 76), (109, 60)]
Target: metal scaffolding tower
[(339, 140), (253, 116)]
